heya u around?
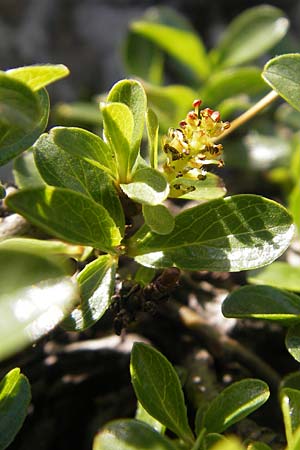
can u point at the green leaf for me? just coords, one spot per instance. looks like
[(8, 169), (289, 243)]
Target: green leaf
[(15, 398), (234, 403), (232, 82), (294, 202), (24, 116), (231, 443), (208, 189), (67, 215), (25, 172), (35, 294), (292, 341), (250, 35), (158, 218), (61, 169), (189, 49), (37, 77), (152, 132), (170, 103), (144, 275), (263, 302), (129, 434), (85, 145), (158, 389), (40, 247), (212, 439), (279, 274), (290, 405), (237, 233), (96, 282), (295, 444), (148, 186), (118, 129), (258, 446), (132, 94), (282, 74)]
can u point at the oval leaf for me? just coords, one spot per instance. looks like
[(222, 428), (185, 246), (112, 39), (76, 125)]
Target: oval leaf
[(237, 233), (132, 94), (61, 169), (158, 218), (118, 130), (96, 282), (263, 302), (280, 274), (15, 396), (251, 34), (283, 75), (234, 403), (37, 77), (158, 389), (35, 295), (24, 116), (129, 434), (67, 215), (292, 341), (85, 145), (148, 187)]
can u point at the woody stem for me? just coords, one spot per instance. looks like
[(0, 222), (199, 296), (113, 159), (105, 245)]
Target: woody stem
[(243, 118)]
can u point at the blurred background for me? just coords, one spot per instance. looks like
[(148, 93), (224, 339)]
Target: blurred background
[(88, 35)]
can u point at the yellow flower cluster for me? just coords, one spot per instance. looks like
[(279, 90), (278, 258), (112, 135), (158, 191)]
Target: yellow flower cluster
[(190, 148)]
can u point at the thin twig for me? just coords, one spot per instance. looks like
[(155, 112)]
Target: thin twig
[(249, 114)]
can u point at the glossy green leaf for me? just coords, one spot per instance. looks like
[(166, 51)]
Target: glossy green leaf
[(170, 103), (130, 434), (189, 49), (96, 282), (24, 116), (152, 132), (237, 233), (158, 389), (251, 34), (263, 302), (148, 186), (282, 74), (232, 82), (60, 168), (158, 218), (118, 128), (292, 341), (67, 215), (144, 416), (15, 396), (132, 94), (290, 405), (35, 295), (208, 189), (234, 403), (280, 274), (294, 202), (37, 77), (85, 145), (25, 172), (41, 247)]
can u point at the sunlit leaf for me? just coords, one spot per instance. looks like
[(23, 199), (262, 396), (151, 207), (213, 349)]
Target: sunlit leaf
[(158, 218), (39, 76), (148, 186), (15, 398), (280, 274)]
